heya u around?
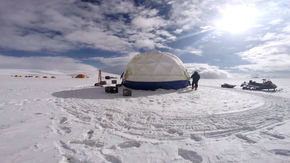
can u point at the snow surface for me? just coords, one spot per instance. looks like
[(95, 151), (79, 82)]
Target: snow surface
[(69, 120)]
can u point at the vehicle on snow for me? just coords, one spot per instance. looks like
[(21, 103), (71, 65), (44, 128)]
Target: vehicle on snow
[(265, 85), (226, 85)]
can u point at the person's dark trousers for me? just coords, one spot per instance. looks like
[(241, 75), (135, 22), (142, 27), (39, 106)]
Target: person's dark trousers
[(194, 84)]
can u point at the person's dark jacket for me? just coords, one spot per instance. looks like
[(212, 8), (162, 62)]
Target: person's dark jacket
[(195, 77)]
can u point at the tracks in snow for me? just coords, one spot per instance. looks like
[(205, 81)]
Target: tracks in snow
[(124, 118)]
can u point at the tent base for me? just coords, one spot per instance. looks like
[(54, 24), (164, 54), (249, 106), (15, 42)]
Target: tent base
[(156, 85)]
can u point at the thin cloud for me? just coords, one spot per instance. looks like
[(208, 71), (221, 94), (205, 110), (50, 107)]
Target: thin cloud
[(114, 64), (148, 24), (276, 21), (96, 38), (207, 71), (60, 26), (147, 44), (271, 55), (118, 26), (189, 50)]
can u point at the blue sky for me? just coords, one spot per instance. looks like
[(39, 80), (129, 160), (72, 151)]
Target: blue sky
[(250, 37)]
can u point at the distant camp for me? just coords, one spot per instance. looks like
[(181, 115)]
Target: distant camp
[(81, 76), (154, 70)]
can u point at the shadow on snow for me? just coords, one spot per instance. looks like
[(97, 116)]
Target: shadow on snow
[(99, 93)]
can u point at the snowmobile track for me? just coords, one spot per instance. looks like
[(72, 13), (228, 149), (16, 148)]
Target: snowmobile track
[(150, 124)]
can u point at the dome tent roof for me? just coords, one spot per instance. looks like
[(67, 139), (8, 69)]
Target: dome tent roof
[(153, 70)]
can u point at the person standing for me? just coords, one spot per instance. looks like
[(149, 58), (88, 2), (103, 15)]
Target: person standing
[(195, 78)]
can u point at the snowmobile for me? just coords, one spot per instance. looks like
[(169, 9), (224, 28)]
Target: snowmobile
[(226, 85), (265, 85)]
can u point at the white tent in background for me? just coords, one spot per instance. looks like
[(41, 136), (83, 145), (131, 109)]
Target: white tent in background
[(153, 70)]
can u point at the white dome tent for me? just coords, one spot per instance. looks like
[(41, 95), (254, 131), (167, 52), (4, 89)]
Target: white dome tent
[(153, 70)]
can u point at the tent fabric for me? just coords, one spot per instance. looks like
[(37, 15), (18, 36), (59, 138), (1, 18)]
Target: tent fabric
[(156, 85), (153, 70)]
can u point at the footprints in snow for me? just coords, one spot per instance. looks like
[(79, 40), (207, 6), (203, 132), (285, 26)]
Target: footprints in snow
[(111, 120), (68, 151), (266, 133), (63, 128), (282, 152), (195, 137), (175, 131), (62, 120), (129, 144), (189, 155), (90, 143), (152, 124), (90, 134), (71, 159), (277, 136), (66, 147), (112, 159), (244, 137)]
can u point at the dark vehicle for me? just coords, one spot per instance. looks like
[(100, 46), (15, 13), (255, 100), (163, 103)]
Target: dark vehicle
[(226, 85), (265, 85)]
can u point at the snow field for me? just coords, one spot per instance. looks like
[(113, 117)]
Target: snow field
[(69, 120)]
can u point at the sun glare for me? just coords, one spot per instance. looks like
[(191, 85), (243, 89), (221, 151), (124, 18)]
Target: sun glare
[(236, 19)]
